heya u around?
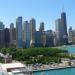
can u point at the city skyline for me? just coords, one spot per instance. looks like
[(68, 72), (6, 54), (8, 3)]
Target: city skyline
[(25, 35), (43, 11)]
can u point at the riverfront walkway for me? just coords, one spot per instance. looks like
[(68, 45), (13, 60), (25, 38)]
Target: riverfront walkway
[(65, 63)]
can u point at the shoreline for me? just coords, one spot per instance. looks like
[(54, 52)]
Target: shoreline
[(54, 68)]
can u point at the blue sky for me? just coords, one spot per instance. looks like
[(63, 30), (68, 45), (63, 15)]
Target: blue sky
[(42, 10)]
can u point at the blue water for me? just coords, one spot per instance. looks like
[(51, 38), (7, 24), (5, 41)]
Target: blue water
[(68, 71), (71, 49)]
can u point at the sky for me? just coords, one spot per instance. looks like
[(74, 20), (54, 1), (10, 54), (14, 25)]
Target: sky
[(46, 11)]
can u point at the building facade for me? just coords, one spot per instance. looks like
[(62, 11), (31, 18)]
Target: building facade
[(64, 28), (1, 34), (26, 34), (49, 38), (6, 37), (32, 32), (61, 30), (19, 43)]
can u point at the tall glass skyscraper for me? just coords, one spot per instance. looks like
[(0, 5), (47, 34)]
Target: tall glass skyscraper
[(64, 27), (26, 34), (19, 32), (61, 30)]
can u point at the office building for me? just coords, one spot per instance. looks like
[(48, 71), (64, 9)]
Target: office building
[(1, 38), (1, 25), (32, 32), (59, 31), (43, 35), (64, 28), (1, 34), (70, 35), (6, 37), (26, 34), (41, 29), (11, 34), (49, 38), (38, 39), (19, 43)]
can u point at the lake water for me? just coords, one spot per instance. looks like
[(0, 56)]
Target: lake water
[(71, 49), (68, 71)]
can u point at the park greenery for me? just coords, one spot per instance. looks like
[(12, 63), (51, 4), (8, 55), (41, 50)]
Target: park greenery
[(36, 55)]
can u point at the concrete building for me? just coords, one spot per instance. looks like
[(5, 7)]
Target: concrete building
[(19, 43), (2, 38), (6, 37), (1, 35), (1, 25), (49, 38), (70, 35), (59, 32), (73, 36), (32, 32), (41, 29), (26, 34), (43, 35), (12, 35), (38, 39)]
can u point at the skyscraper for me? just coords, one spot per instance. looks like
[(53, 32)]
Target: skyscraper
[(1, 38), (61, 30), (58, 31), (19, 32), (1, 25), (38, 39), (70, 35), (26, 34), (6, 37), (41, 27), (64, 27), (11, 33), (43, 35), (32, 32), (49, 38), (1, 34)]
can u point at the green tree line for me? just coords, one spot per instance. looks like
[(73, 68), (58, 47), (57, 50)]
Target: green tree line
[(35, 55)]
